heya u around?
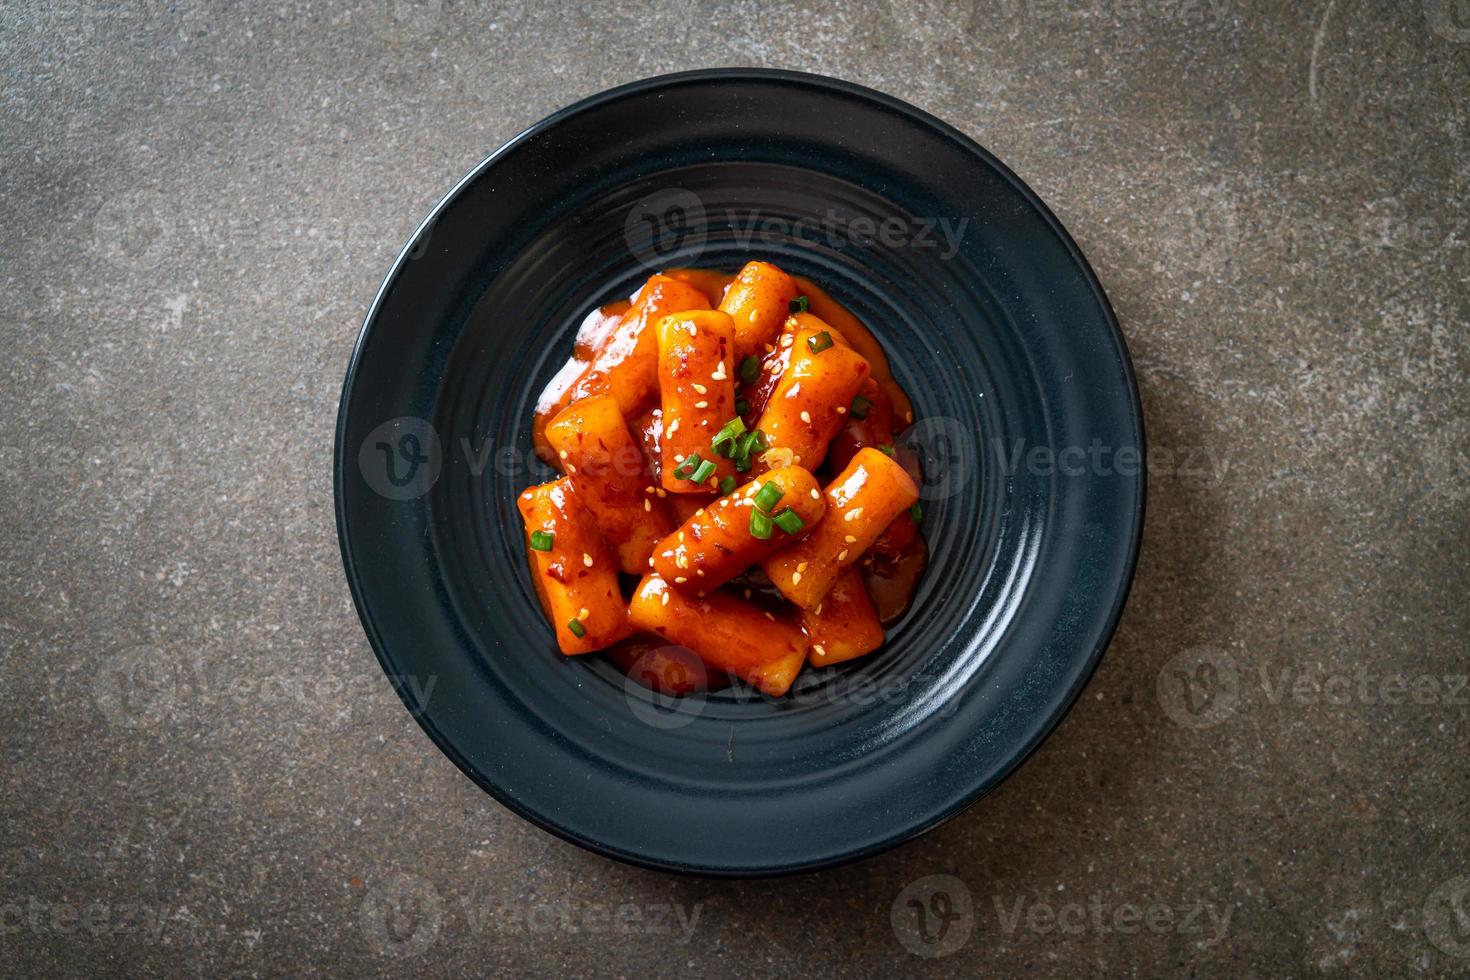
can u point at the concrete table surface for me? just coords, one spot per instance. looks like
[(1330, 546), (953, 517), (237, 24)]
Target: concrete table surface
[(1268, 774)]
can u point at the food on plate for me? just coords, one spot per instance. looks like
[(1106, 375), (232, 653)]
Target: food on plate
[(733, 505)]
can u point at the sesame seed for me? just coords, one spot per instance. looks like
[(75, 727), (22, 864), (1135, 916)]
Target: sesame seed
[(770, 617), (647, 505), (673, 426), (817, 611), (842, 555), (680, 580), (853, 514), (849, 539), (795, 578), (681, 535), (701, 404), (819, 649), (786, 340), (909, 416), (801, 566), (770, 347), (583, 613), (700, 388), (682, 561), (815, 495), (563, 454), (662, 492), (719, 372), (806, 416), (699, 571), (571, 468), (648, 489), (586, 559), (841, 409), (665, 599)]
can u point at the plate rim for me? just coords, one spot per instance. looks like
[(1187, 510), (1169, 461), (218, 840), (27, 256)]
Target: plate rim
[(818, 81)]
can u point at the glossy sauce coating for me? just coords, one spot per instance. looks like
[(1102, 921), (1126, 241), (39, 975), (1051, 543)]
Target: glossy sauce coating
[(844, 624), (758, 300), (610, 474), (861, 502), (715, 544), (728, 633), (811, 399), (577, 578), (696, 370)]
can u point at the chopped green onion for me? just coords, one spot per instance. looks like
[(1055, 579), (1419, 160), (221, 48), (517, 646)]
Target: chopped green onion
[(542, 540), (886, 450), (704, 472), (750, 369), (729, 432), (742, 406), (860, 406), (800, 305), (820, 342), (578, 630), (789, 521), (767, 496), (742, 463), (760, 525), (686, 469), (727, 486), (917, 513)]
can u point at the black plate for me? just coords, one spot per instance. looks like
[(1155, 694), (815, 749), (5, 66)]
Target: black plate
[(1028, 418)]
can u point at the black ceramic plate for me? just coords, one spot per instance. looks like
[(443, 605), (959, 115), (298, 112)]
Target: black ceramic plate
[(1029, 422)]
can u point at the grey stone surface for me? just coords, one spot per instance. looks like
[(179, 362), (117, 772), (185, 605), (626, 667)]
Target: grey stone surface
[(203, 767)]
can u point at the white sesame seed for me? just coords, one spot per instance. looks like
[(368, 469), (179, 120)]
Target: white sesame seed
[(700, 388), (817, 611), (770, 617), (571, 468), (680, 580), (693, 330), (701, 404), (662, 492), (786, 340), (842, 555), (647, 505), (699, 571), (648, 489), (586, 559), (806, 416), (563, 454), (819, 649), (583, 613), (795, 578), (681, 535), (841, 409), (801, 566), (665, 599), (853, 514), (719, 372), (673, 426), (815, 495), (849, 539)]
